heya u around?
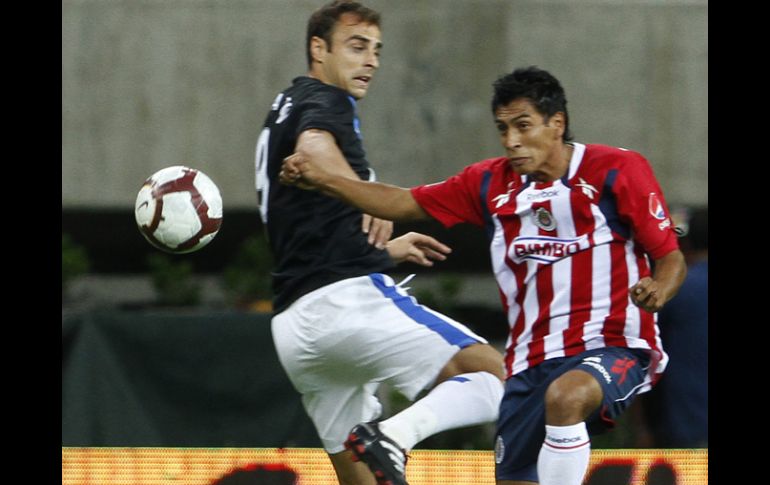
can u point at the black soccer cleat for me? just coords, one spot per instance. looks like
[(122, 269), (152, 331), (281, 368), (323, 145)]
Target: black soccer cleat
[(381, 454)]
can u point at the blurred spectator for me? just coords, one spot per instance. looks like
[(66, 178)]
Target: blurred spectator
[(677, 408)]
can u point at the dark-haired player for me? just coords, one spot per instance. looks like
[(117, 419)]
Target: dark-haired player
[(574, 232), (342, 326)]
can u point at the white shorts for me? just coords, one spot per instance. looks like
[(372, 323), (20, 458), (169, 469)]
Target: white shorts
[(339, 342)]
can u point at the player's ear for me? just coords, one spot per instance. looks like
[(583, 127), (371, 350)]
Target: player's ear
[(558, 122), (318, 49)]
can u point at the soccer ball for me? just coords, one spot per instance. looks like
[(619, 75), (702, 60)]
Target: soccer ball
[(179, 209)]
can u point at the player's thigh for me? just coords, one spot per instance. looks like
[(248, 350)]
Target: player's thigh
[(621, 373), (572, 397), (416, 342), (366, 329), (327, 337), (479, 357), (521, 425)]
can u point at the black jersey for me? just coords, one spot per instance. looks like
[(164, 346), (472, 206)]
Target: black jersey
[(316, 239)]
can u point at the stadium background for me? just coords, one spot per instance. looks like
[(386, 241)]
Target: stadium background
[(152, 83)]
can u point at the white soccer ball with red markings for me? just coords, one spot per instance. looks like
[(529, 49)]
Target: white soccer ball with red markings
[(179, 209)]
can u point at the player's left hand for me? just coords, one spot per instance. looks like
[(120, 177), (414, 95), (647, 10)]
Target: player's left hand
[(417, 248), (648, 295), (379, 230)]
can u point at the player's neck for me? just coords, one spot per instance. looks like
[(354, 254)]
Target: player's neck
[(312, 73), (558, 168)]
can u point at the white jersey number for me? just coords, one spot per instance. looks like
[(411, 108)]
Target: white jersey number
[(262, 182)]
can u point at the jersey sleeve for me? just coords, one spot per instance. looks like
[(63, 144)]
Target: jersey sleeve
[(455, 200), (641, 204), (329, 111)]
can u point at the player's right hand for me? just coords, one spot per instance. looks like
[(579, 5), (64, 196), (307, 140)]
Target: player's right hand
[(292, 170), (648, 295)]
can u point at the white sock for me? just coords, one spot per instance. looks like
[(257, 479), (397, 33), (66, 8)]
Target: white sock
[(563, 459), (463, 400)]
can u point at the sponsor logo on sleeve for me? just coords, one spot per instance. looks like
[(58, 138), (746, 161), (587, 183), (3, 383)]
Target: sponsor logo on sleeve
[(656, 208)]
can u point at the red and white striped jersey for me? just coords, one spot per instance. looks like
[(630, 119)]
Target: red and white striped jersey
[(564, 253)]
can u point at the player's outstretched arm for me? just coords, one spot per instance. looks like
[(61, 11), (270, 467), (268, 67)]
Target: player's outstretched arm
[(323, 148), (318, 164), (652, 293), (417, 248)]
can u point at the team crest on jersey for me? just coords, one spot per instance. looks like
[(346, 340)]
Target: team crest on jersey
[(544, 219), (656, 208)]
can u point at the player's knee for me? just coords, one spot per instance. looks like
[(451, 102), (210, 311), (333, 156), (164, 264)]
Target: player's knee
[(571, 398)]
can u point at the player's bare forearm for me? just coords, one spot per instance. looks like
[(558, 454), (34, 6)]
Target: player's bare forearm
[(652, 293), (375, 198), (317, 164), (321, 147)]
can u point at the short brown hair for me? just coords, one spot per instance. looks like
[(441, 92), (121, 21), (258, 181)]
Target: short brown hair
[(321, 23)]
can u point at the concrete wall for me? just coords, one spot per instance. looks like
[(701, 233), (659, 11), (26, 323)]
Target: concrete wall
[(152, 83)]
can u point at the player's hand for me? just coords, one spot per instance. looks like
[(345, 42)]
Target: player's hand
[(417, 248), (297, 171), (648, 295), (379, 230)]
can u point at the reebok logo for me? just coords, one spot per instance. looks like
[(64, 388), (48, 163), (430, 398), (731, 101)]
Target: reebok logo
[(566, 444), (587, 188), (562, 440), (542, 194), (502, 199), (600, 368)]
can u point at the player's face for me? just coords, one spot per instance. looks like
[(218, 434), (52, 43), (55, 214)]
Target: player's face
[(354, 55), (534, 147)]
